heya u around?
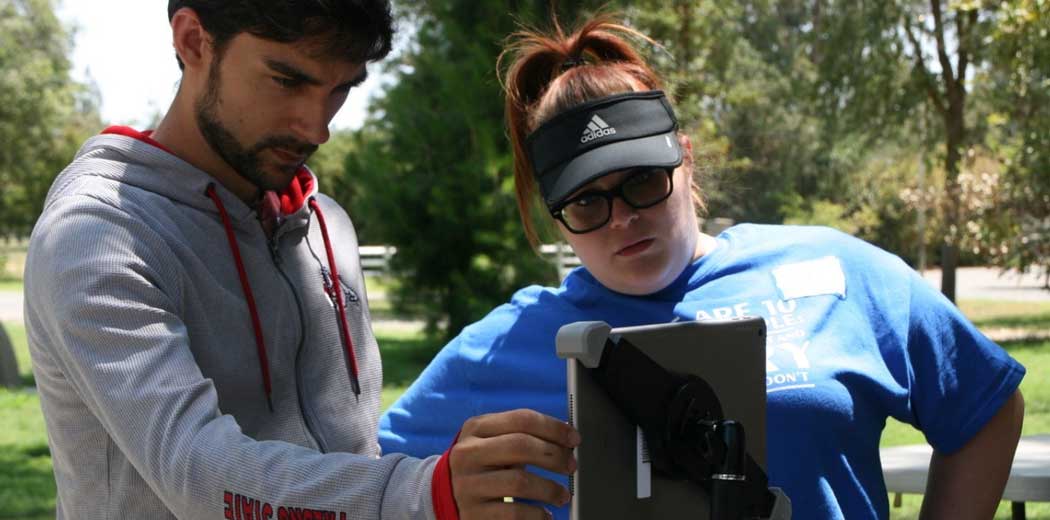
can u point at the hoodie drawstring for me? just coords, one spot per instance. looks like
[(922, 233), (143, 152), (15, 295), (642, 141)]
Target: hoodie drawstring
[(260, 343), (337, 294)]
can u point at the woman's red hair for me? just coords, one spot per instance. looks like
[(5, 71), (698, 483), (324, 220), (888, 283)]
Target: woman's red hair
[(551, 72)]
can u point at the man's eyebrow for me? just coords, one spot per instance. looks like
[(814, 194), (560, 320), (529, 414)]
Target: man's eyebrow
[(292, 72), (281, 67)]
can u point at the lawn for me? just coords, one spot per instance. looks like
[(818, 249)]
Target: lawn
[(27, 490), (10, 284)]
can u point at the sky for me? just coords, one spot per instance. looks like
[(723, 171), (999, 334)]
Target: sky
[(124, 47)]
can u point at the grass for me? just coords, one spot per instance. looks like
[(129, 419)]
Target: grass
[(405, 354), (1035, 356), (27, 485), (10, 285), (994, 314), (27, 489)]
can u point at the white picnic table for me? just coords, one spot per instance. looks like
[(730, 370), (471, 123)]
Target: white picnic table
[(905, 469)]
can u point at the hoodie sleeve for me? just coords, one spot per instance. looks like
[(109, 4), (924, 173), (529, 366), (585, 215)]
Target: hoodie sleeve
[(103, 320)]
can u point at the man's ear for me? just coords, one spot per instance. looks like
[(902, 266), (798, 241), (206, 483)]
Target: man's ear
[(192, 43)]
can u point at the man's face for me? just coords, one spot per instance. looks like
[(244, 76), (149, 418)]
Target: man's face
[(266, 106)]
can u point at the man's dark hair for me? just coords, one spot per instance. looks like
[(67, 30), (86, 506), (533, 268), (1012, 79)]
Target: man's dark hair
[(354, 30)]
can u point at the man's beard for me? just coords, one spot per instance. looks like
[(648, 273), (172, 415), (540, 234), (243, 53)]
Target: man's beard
[(246, 161)]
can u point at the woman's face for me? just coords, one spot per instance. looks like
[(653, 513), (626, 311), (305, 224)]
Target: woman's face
[(640, 251)]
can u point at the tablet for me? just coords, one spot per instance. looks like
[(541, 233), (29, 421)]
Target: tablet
[(614, 478)]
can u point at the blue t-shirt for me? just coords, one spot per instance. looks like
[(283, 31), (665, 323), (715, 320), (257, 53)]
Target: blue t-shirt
[(854, 336)]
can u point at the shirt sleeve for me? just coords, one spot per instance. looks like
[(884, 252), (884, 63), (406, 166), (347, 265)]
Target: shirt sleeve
[(426, 418), (102, 307), (959, 378)]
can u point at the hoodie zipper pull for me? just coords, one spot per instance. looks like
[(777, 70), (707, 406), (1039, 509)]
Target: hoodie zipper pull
[(274, 251)]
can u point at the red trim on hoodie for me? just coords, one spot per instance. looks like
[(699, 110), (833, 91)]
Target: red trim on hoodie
[(145, 137), (445, 507), (293, 197)]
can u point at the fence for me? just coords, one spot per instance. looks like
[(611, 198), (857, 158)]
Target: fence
[(376, 259)]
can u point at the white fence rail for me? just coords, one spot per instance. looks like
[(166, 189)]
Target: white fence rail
[(375, 260)]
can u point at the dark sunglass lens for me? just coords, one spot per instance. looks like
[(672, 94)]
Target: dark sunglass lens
[(586, 213), (647, 187)]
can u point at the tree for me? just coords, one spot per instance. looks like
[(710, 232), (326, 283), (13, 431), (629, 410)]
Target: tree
[(433, 167), (749, 83), (942, 44), (1018, 87), (45, 115)]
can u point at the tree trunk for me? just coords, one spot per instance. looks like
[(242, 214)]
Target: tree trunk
[(8, 364), (956, 135)]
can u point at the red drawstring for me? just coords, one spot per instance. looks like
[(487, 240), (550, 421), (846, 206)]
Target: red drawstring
[(260, 344), (337, 291)]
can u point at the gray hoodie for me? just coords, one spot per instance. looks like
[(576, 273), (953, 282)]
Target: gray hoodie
[(147, 364)]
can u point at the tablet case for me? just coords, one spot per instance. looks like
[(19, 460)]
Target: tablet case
[(613, 479)]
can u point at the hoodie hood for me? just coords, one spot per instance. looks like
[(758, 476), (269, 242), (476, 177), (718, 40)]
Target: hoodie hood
[(130, 157)]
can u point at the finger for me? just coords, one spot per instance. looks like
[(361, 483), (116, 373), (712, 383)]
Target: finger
[(523, 421), (500, 510), (514, 482), (512, 449)]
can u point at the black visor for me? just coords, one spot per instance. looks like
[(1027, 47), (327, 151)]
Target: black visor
[(638, 129)]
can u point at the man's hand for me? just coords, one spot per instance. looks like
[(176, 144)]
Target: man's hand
[(488, 463)]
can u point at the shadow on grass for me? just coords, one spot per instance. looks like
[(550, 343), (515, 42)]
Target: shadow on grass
[(1039, 321), (27, 483), (1032, 343), (404, 358)]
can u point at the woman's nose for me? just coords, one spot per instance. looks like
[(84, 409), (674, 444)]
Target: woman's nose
[(622, 213)]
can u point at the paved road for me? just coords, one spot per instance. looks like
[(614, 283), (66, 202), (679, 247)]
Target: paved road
[(10, 306), (980, 283), (972, 283)]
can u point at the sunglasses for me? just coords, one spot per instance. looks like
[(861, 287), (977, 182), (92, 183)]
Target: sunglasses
[(592, 209)]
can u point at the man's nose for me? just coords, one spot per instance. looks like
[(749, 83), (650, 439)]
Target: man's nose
[(311, 123)]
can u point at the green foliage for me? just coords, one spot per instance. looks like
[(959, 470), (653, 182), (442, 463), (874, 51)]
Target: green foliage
[(44, 116), (433, 169), (1017, 86), (807, 112), (752, 86), (329, 163)]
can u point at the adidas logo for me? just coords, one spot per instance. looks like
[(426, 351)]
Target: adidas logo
[(596, 128)]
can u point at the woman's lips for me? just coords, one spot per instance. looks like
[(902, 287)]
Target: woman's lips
[(636, 247)]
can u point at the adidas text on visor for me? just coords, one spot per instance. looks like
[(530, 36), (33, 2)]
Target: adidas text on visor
[(632, 130)]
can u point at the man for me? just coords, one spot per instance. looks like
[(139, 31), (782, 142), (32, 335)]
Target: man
[(195, 308)]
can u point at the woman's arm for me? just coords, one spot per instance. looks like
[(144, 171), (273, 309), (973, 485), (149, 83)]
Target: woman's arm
[(969, 482)]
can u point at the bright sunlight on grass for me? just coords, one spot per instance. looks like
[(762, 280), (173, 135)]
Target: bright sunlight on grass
[(27, 488)]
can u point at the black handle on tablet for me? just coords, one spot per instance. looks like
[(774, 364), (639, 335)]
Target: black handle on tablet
[(687, 434)]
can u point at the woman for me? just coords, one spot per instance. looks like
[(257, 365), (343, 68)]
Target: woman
[(855, 336)]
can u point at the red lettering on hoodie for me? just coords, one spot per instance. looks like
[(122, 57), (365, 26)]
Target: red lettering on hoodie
[(267, 512), (227, 499)]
